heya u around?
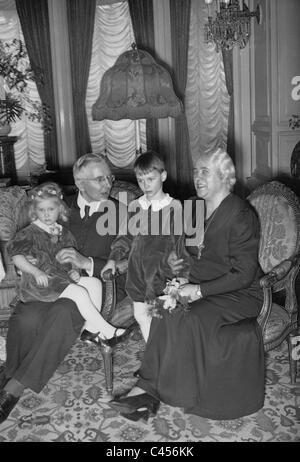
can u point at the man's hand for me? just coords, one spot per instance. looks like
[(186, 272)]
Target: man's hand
[(74, 275), (71, 255), (110, 265)]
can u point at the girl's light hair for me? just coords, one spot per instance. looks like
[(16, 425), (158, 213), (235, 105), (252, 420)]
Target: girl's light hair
[(48, 190), (87, 159), (223, 164)]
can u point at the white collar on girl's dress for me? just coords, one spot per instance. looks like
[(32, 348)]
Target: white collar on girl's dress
[(157, 204), (55, 229)]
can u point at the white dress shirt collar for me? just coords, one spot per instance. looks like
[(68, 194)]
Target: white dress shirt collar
[(82, 203), (157, 204)]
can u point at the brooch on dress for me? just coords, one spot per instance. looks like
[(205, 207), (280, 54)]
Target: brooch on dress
[(55, 231)]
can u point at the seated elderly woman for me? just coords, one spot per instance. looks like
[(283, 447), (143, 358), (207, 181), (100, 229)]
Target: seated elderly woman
[(209, 359)]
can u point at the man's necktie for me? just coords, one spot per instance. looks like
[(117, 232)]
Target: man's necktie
[(86, 212)]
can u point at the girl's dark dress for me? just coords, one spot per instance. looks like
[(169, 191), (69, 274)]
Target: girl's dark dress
[(210, 360), (41, 245)]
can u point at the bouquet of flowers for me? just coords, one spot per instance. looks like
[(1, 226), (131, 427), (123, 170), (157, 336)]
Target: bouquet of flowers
[(170, 301)]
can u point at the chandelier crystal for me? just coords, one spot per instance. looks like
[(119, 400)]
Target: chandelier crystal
[(229, 23)]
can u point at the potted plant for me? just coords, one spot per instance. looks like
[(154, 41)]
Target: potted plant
[(15, 73)]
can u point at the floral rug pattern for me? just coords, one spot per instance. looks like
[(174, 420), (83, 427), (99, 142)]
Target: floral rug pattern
[(73, 406)]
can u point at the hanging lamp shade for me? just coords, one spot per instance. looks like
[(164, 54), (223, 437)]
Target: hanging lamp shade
[(136, 87)]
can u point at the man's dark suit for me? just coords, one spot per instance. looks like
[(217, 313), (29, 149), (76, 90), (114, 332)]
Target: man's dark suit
[(91, 244), (40, 334)]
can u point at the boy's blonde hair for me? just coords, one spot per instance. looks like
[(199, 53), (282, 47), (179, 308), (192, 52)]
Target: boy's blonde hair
[(149, 161), (48, 190)]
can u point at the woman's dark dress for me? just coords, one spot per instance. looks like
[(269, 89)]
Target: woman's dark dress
[(210, 360), (41, 245)]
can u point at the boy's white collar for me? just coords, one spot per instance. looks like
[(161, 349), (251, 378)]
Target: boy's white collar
[(157, 204)]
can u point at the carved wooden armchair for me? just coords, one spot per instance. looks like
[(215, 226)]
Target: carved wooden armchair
[(119, 314), (278, 209)]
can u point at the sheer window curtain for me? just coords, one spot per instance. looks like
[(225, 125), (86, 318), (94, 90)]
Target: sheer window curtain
[(206, 98), (113, 34), (29, 148)]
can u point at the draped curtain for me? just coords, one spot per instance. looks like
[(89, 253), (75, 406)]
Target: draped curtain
[(113, 34), (81, 18), (207, 99), (141, 12), (33, 15), (180, 23), (29, 147), (228, 68)]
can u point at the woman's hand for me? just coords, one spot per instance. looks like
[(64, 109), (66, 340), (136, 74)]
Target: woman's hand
[(189, 291)]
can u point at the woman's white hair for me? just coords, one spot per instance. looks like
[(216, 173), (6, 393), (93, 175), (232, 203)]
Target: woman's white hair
[(223, 164)]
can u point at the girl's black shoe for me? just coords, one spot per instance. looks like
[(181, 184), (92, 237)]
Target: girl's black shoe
[(130, 404), (112, 342), (90, 337)]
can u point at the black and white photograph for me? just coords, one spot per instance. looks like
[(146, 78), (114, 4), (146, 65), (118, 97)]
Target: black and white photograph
[(149, 223)]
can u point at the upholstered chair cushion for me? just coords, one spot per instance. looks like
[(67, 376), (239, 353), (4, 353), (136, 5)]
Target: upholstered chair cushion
[(129, 191), (12, 201), (277, 322), (13, 216), (278, 209), (278, 229)]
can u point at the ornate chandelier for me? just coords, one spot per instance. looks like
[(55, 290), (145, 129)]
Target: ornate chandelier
[(229, 23)]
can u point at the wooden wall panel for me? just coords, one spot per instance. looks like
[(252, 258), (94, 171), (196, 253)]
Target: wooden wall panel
[(288, 27), (275, 65)]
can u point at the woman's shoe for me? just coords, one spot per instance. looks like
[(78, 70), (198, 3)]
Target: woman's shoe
[(137, 415), (7, 403), (112, 342), (130, 404)]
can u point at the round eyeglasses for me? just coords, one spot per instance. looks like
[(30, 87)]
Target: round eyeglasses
[(101, 179)]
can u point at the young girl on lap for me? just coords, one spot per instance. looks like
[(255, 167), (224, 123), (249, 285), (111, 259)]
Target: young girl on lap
[(47, 279)]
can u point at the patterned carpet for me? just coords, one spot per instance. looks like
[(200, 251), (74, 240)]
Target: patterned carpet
[(73, 406)]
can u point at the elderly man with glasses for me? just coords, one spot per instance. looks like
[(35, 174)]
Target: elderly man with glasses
[(94, 180), (40, 334)]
